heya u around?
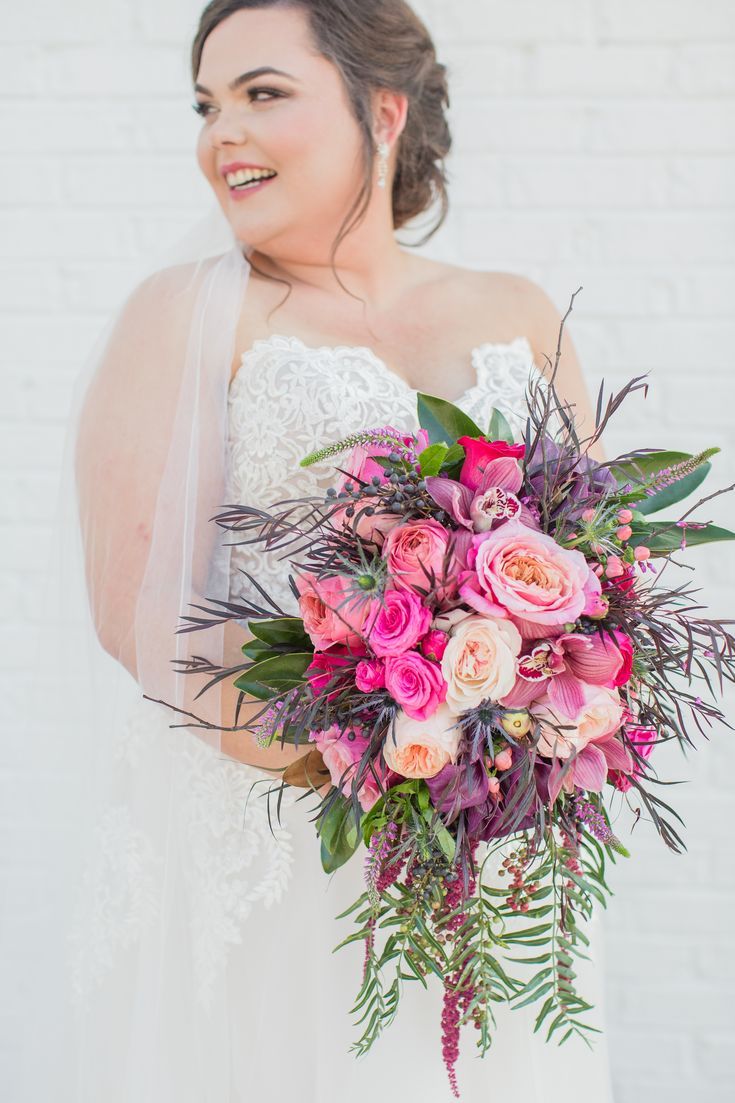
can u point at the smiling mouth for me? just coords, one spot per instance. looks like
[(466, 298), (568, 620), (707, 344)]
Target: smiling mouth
[(248, 178)]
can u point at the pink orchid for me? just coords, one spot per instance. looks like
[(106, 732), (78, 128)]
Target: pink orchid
[(643, 740), (491, 500), (562, 666)]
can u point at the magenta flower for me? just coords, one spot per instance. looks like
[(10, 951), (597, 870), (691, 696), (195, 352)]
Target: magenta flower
[(396, 622)]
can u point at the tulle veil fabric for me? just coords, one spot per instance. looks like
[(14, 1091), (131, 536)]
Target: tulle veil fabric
[(132, 551)]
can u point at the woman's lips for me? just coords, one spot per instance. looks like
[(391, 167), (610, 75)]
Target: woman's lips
[(243, 193)]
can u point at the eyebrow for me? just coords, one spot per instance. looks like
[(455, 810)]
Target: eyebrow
[(245, 77)]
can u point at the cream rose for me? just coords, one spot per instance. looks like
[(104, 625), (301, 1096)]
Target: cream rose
[(480, 661), (422, 747)]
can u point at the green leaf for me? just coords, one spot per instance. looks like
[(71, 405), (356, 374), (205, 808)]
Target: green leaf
[(640, 469), (498, 428), (677, 492), (665, 537), (339, 834), (256, 650), (274, 675), (432, 458), (444, 421), (282, 632), (442, 835)]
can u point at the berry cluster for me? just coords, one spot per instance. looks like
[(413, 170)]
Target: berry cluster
[(522, 890)]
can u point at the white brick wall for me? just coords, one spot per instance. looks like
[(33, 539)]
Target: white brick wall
[(595, 145)]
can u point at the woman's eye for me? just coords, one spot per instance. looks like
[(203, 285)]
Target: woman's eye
[(270, 92), (253, 93)]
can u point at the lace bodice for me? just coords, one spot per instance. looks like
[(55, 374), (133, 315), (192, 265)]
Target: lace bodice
[(287, 399)]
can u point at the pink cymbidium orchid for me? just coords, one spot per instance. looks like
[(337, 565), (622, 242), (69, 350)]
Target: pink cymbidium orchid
[(562, 666), (492, 499), (589, 767)]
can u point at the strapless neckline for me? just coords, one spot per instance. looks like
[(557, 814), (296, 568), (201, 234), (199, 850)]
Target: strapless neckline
[(368, 353)]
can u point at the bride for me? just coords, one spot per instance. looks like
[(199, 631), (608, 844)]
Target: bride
[(203, 930)]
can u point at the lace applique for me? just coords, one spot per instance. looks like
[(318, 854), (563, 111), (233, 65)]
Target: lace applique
[(117, 899), (215, 817), (236, 858), (287, 399)]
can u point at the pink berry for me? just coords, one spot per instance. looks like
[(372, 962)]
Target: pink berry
[(641, 552), (504, 760), (588, 515), (614, 566), (624, 532), (625, 516)]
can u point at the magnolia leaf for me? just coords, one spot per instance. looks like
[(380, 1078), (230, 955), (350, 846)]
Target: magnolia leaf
[(443, 421), (307, 772), (281, 632), (275, 675), (677, 492), (665, 537), (256, 650), (339, 835), (499, 429), (641, 467)]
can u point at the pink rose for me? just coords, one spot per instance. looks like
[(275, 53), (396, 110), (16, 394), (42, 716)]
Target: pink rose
[(415, 683), (415, 549), (323, 666), (517, 571), (369, 675), (342, 751), (434, 644), (331, 611), (479, 453), (421, 747), (396, 622)]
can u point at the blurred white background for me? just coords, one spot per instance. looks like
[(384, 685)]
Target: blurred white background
[(594, 146)]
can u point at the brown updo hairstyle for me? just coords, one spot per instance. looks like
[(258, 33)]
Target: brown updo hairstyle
[(375, 44)]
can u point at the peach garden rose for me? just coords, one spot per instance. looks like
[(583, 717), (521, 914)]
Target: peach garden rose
[(522, 573), (480, 661), (422, 747)]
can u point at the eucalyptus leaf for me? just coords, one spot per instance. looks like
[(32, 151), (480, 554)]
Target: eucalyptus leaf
[(442, 835)]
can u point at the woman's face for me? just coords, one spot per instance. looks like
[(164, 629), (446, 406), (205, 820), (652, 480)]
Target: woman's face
[(296, 123)]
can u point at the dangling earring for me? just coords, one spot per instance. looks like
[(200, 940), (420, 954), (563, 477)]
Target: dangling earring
[(383, 150)]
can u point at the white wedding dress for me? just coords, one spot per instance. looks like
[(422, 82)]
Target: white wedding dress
[(253, 916)]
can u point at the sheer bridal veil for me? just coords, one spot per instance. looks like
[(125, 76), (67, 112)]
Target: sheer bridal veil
[(106, 959)]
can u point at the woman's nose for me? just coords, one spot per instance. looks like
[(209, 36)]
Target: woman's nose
[(228, 128)]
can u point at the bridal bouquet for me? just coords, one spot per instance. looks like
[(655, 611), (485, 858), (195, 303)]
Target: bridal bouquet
[(486, 654)]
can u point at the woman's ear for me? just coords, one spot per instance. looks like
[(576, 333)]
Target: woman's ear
[(390, 110)]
